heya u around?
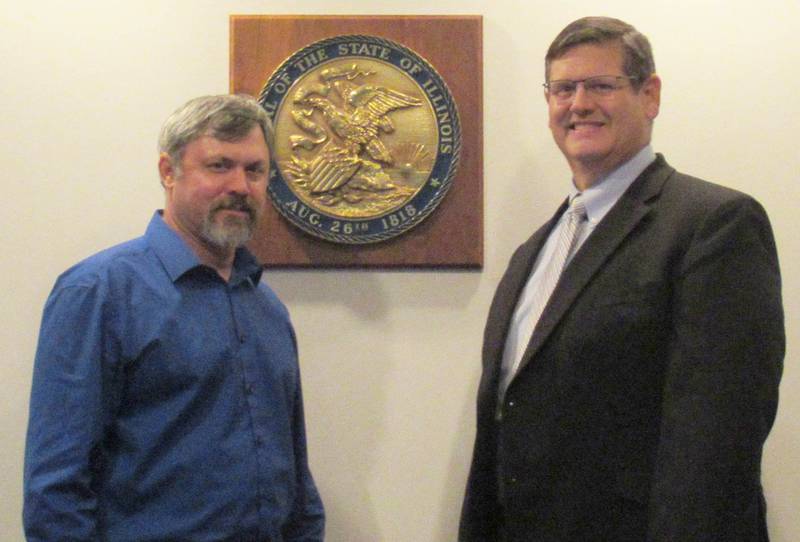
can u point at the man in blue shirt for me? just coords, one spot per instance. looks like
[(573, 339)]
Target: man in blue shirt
[(166, 400)]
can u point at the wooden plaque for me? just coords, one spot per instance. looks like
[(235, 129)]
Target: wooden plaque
[(452, 236)]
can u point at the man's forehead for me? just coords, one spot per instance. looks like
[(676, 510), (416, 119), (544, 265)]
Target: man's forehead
[(250, 147), (590, 54), (233, 137), (252, 136)]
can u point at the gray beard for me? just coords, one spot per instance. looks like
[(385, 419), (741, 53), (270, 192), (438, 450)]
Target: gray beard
[(229, 234)]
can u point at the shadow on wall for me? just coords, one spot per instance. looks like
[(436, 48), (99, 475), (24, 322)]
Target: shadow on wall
[(350, 325), (364, 292), (458, 468)]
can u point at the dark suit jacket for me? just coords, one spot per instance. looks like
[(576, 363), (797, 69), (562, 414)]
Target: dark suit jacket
[(650, 382)]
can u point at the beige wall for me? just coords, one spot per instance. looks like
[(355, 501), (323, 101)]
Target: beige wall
[(390, 359)]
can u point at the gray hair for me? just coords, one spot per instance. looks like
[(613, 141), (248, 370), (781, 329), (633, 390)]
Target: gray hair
[(228, 117), (638, 62)]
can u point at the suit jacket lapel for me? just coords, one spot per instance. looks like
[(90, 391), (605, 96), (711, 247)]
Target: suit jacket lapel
[(507, 296), (631, 208)]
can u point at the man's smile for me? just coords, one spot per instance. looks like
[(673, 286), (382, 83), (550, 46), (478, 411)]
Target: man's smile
[(585, 125)]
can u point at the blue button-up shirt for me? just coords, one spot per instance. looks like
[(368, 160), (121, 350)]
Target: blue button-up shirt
[(166, 404)]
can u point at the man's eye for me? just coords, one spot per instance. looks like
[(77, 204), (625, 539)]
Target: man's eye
[(565, 89), (600, 87), (218, 166)]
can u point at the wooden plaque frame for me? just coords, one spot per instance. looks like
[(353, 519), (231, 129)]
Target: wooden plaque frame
[(452, 236)]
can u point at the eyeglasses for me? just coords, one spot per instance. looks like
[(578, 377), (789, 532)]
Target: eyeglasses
[(563, 90)]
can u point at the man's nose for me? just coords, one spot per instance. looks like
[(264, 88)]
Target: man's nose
[(237, 181), (581, 100)]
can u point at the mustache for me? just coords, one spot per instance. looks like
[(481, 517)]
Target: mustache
[(234, 202)]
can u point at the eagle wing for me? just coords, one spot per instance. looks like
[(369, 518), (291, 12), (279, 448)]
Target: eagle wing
[(380, 100)]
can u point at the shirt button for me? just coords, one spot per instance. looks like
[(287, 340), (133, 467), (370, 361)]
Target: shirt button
[(259, 442), (510, 404), (248, 389), (242, 338)]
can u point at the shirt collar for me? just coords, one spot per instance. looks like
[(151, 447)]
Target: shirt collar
[(601, 196), (245, 267), (177, 258)]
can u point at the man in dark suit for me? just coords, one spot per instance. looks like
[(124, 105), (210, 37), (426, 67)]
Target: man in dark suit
[(634, 346)]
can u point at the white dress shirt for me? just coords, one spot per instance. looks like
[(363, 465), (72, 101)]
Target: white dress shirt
[(598, 199)]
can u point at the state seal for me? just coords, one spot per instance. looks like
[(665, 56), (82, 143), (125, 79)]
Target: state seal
[(367, 139)]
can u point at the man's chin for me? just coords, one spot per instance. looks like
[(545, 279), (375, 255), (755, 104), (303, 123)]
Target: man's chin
[(229, 236)]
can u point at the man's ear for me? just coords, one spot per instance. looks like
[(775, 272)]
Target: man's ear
[(167, 170), (651, 90)]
